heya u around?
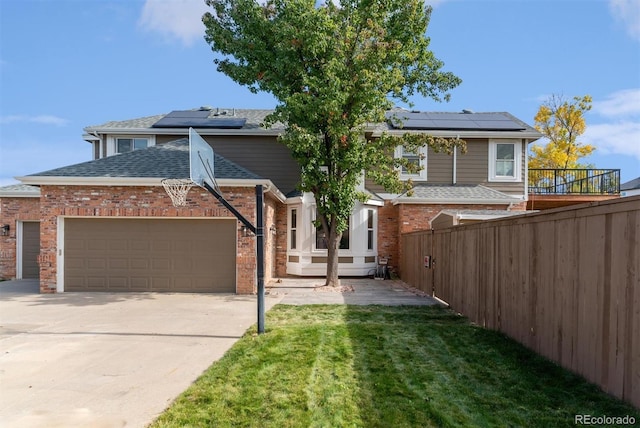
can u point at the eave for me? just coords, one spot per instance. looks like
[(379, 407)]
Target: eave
[(141, 181), (182, 131), (529, 135), (433, 201)]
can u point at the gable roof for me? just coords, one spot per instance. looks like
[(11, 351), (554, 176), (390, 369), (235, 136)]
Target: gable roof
[(454, 194), (631, 184), (139, 167), (465, 124), (253, 124), (19, 191)]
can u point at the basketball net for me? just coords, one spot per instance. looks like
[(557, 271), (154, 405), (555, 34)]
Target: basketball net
[(177, 188)]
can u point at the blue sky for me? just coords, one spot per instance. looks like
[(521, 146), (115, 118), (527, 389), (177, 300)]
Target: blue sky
[(67, 64)]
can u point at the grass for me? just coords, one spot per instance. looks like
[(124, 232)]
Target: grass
[(375, 366)]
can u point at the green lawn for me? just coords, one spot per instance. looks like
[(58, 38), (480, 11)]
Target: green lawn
[(375, 366)]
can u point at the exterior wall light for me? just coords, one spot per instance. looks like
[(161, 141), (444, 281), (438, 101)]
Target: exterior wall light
[(4, 230)]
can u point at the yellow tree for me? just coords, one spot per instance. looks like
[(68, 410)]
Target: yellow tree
[(561, 122)]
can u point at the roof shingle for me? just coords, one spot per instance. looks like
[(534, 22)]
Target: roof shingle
[(169, 160)]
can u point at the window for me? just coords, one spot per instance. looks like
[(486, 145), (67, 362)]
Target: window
[(124, 145), (417, 158), (321, 241), (505, 161), (293, 229), (370, 235)]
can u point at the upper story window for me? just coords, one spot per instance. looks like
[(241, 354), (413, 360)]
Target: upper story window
[(124, 145), (505, 160), (116, 144), (418, 158)]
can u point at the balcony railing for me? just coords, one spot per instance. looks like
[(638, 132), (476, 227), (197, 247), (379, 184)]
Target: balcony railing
[(574, 181)]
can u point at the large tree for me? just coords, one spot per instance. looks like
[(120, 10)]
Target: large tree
[(333, 68), (561, 122)]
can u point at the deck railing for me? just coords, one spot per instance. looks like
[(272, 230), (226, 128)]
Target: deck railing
[(574, 181)]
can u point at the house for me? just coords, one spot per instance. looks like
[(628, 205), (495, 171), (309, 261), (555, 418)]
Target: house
[(108, 225), (630, 188)]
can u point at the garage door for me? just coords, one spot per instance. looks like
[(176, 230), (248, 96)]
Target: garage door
[(150, 255), (30, 249)]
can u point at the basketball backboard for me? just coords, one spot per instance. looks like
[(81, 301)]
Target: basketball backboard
[(201, 161)]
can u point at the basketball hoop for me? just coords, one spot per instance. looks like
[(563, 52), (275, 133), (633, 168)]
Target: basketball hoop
[(177, 188)]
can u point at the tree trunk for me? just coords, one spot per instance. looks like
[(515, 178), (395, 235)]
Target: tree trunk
[(333, 243)]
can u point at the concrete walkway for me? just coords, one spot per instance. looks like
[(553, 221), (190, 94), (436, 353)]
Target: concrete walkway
[(118, 359), (353, 291)]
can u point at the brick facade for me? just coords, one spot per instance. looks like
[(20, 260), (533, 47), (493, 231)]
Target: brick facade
[(282, 229), (12, 211), (136, 201), (133, 201), (412, 218)]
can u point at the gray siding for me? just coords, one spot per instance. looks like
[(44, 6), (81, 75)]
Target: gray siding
[(472, 168), (439, 168), (262, 155)]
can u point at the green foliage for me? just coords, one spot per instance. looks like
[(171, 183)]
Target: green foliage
[(562, 122), (382, 366), (333, 69)]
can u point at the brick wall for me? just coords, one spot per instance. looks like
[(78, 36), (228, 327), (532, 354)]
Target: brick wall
[(13, 210), (388, 232), (415, 217), (134, 201), (281, 241)]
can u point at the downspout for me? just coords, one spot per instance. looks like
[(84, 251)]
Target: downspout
[(526, 172), (455, 162)]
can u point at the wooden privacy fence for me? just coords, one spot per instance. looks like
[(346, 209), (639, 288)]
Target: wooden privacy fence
[(564, 283)]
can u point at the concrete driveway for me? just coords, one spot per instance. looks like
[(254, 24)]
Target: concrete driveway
[(108, 360)]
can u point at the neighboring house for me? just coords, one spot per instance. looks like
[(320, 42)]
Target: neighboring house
[(108, 225), (630, 188)]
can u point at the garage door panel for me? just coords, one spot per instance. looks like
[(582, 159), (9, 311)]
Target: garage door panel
[(140, 284), (140, 245), (161, 264), (139, 264), (96, 245), (118, 283), (161, 284), (96, 264), (95, 284), (150, 255)]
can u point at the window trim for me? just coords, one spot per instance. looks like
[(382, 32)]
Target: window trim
[(517, 161), (370, 213), (422, 174), (112, 142), (314, 235), (293, 228)]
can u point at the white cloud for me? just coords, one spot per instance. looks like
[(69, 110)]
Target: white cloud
[(621, 103), (43, 119), (615, 138), (619, 130), (181, 19), (628, 12)]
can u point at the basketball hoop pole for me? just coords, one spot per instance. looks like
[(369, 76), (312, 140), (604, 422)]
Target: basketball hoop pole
[(260, 257), (258, 230)]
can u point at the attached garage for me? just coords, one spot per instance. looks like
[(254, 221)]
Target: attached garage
[(28, 250), (148, 254)]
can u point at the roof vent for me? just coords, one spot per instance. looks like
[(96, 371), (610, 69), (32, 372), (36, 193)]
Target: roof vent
[(467, 111)]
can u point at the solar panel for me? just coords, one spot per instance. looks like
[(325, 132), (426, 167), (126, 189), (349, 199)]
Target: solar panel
[(453, 121), (198, 119)]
